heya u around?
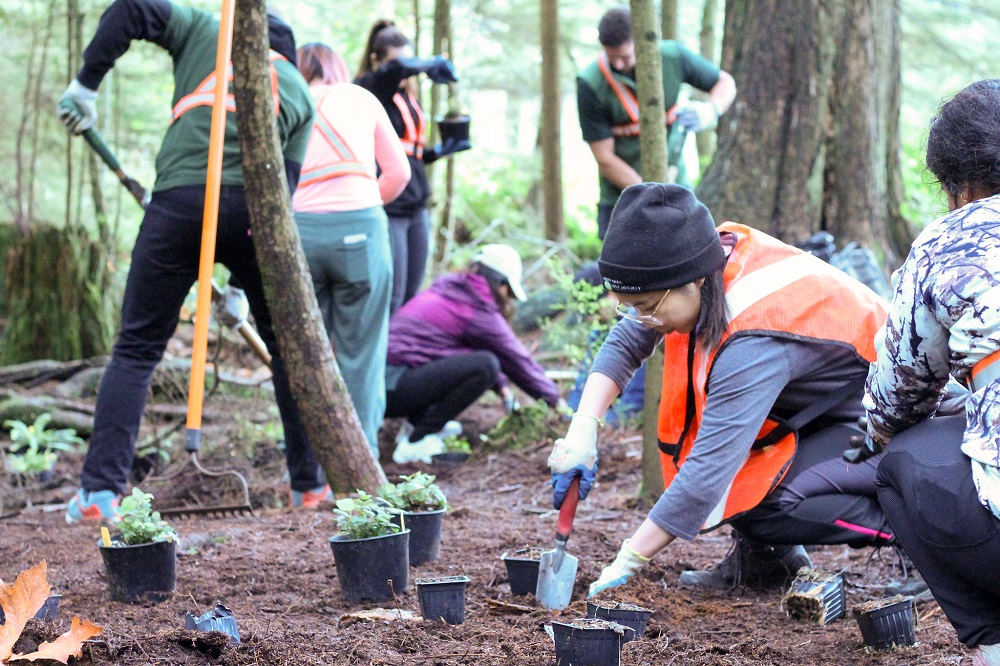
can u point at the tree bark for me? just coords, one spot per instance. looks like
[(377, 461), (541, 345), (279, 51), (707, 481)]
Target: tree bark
[(441, 46), (653, 138), (706, 46), (668, 19), (552, 191), (813, 140), (325, 406)]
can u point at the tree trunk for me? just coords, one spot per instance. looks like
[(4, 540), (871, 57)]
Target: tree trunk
[(325, 406), (706, 46), (813, 140), (441, 46), (551, 121), (653, 137), (668, 19)]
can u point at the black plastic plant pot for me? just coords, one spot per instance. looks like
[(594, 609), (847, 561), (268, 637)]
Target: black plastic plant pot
[(455, 128), (372, 569), (449, 458), (887, 623), (442, 598), (425, 534), (522, 569), (47, 612), (632, 617), (816, 596), (144, 573), (589, 642)]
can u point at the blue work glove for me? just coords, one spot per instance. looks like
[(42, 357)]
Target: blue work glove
[(441, 70), (618, 572), (77, 108), (451, 146), (698, 116), (560, 483)]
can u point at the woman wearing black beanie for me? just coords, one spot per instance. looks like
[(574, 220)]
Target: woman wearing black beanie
[(766, 352)]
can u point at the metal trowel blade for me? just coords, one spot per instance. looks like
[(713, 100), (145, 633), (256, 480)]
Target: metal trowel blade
[(555, 588)]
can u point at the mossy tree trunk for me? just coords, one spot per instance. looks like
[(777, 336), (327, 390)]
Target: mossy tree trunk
[(550, 122), (668, 19), (442, 45), (327, 411), (707, 40)]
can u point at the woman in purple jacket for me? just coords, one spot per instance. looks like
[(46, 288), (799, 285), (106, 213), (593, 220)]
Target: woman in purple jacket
[(452, 342)]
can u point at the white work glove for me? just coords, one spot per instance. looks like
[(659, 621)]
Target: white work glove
[(698, 116), (578, 447), (619, 571), (77, 108), (236, 303)]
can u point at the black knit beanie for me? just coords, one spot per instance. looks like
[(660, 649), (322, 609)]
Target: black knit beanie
[(660, 237)]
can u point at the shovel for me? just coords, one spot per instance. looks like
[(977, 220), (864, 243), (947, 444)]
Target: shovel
[(557, 570)]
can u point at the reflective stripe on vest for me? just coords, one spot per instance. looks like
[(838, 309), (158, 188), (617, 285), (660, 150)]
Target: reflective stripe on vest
[(628, 100), (985, 372), (204, 94), (413, 139), (772, 289), (331, 156)]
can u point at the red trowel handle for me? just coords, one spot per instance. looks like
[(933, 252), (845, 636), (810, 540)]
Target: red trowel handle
[(568, 510)]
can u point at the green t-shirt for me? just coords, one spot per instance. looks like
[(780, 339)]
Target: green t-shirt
[(600, 110), (191, 38)]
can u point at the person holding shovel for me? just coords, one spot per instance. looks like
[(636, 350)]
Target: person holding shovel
[(166, 253), (939, 479), (766, 351)]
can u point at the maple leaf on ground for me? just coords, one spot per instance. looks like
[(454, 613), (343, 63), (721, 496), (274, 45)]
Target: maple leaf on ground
[(68, 645), (20, 602)]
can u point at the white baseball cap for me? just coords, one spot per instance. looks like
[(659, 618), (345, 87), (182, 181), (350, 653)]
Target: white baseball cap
[(507, 262)]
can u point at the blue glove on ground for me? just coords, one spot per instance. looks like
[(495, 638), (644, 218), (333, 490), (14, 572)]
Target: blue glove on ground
[(560, 483), (450, 146), (442, 71)]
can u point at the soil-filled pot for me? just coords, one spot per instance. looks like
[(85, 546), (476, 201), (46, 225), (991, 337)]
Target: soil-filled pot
[(146, 572), (47, 612), (816, 596), (634, 618), (365, 567), (425, 534), (455, 128), (887, 623), (522, 569), (589, 642), (442, 598), (449, 458)]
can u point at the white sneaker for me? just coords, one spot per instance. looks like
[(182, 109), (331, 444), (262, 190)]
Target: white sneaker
[(404, 432), (450, 429), (421, 450), (986, 655)]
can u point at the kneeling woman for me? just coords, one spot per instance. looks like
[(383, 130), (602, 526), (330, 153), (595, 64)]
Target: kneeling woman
[(452, 342), (760, 339)]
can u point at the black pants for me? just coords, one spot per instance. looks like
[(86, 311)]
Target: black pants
[(431, 395), (925, 486), (164, 267), (823, 499)]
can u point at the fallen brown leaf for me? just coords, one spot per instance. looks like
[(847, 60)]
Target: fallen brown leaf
[(20, 602), (68, 645)]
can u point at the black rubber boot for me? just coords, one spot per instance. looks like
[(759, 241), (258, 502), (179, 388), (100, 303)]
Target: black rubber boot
[(753, 564), (911, 583)]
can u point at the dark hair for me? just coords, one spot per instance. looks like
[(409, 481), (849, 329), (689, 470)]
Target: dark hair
[(615, 27), (384, 35), (963, 147), (496, 280), (318, 62), (713, 319)]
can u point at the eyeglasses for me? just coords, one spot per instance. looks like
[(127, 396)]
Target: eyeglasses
[(644, 319)]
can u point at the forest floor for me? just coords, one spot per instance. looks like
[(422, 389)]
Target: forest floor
[(275, 570)]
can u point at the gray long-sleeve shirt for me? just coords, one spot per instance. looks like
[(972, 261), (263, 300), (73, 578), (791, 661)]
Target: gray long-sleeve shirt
[(752, 376)]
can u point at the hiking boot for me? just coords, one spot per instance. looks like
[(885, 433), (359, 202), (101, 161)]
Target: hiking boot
[(93, 505), (912, 583), (422, 450), (311, 499), (751, 563)]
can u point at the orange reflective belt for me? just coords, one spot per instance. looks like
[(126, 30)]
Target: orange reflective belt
[(413, 139), (204, 93), (342, 160), (985, 372), (628, 101)]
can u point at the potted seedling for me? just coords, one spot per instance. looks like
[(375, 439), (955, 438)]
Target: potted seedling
[(420, 505), (633, 618), (371, 552), (456, 450), (887, 623), (588, 642), (141, 560), (34, 450), (816, 596), (522, 569), (442, 598)]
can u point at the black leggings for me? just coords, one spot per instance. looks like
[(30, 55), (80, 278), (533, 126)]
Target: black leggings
[(925, 486), (431, 395)]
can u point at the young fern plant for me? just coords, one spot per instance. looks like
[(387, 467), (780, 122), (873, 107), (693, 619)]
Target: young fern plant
[(139, 523), (416, 492), (362, 518)]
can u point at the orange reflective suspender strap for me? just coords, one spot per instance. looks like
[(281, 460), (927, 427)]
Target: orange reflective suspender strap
[(209, 227), (413, 139), (204, 94), (985, 372), (628, 100), (339, 159)]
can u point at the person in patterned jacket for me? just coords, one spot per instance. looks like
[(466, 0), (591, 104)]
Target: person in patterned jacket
[(939, 479)]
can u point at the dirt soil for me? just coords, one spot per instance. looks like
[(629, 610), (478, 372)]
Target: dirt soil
[(275, 571)]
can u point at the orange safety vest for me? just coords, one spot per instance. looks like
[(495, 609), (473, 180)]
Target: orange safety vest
[(628, 100), (413, 139), (772, 289), (204, 94), (330, 156)]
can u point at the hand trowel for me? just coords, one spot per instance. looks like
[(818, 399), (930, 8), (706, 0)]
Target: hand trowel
[(557, 570)]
